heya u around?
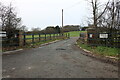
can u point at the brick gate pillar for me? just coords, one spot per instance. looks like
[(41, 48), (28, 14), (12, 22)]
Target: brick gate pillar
[(21, 42)]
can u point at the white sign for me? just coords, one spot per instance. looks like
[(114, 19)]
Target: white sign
[(91, 35), (2, 34), (103, 35)]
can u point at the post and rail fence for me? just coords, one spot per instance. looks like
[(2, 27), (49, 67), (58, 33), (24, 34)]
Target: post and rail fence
[(21, 39), (101, 37), (33, 38)]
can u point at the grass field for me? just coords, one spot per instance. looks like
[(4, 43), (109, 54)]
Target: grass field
[(30, 39), (36, 36), (72, 34), (75, 33)]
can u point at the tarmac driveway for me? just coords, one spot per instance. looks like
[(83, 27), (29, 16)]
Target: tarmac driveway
[(57, 60)]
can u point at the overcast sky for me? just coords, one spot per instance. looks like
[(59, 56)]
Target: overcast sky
[(43, 13)]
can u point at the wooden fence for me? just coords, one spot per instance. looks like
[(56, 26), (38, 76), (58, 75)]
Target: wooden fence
[(22, 39), (101, 37), (9, 42), (109, 42), (33, 38)]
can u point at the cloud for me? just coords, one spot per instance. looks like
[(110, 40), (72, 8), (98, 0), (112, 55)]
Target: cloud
[(42, 13)]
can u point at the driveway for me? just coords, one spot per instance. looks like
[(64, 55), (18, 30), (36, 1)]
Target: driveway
[(57, 60)]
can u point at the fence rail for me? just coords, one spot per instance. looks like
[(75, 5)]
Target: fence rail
[(23, 39), (101, 39), (33, 38)]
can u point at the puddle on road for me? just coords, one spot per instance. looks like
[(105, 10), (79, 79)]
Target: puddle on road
[(60, 49)]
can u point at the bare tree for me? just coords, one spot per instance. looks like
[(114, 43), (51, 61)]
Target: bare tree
[(3, 10), (36, 30), (114, 10), (9, 20), (118, 14), (111, 18), (96, 11), (24, 28)]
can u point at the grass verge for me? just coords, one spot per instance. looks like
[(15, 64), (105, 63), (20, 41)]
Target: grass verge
[(104, 51)]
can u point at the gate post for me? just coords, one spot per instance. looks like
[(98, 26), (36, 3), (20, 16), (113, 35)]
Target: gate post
[(21, 42)]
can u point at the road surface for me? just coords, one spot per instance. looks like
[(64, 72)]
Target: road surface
[(57, 60)]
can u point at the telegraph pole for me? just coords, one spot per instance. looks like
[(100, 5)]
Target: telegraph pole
[(62, 18)]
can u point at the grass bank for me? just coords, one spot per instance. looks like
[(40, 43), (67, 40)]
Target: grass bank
[(105, 51)]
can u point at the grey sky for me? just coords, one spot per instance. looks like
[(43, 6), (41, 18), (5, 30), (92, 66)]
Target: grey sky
[(43, 13)]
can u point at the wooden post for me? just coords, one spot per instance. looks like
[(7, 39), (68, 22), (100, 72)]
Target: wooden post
[(45, 37), (57, 36), (62, 35), (50, 36), (39, 37), (62, 18), (24, 38), (68, 35), (54, 36), (33, 38)]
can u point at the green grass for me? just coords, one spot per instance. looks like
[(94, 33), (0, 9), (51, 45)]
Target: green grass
[(72, 34), (37, 44), (42, 39), (37, 36), (29, 37), (75, 33), (105, 51), (0, 50)]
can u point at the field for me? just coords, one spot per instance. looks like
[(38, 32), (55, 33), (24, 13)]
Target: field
[(72, 34), (75, 33), (36, 37)]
